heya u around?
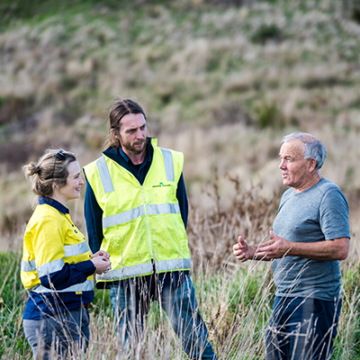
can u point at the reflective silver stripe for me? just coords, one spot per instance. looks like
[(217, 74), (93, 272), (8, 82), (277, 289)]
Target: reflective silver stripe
[(123, 217), (127, 272), (88, 285), (28, 266), (104, 175), (50, 267), (176, 264), (77, 249), (133, 214), (163, 209), (169, 165)]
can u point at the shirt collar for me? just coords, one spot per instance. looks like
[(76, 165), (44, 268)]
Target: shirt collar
[(123, 155), (147, 156), (54, 203)]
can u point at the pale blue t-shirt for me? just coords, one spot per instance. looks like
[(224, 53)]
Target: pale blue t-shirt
[(320, 213)]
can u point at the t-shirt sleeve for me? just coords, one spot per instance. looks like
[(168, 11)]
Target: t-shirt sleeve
[(334, 214)]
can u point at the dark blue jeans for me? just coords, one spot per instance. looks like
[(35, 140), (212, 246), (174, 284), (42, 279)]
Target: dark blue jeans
[(59, 334), (131, 302), (302, 329)]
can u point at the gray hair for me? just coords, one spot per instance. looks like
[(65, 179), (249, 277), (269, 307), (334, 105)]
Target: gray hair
[(314, 148)]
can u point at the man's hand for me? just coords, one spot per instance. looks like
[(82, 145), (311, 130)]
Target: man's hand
[(273, 249), (328, 250), (243, 251)]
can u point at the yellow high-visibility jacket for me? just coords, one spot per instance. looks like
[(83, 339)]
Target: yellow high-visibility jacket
[(51, 240), (142, 224)]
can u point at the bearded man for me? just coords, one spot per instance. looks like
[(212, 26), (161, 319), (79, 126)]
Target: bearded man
[(136, 208)]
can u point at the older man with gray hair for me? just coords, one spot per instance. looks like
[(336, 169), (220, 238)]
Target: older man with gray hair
[(310, 235)]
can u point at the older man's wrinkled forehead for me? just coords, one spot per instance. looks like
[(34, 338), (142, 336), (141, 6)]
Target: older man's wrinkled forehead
[(293, 148), (298, 143)]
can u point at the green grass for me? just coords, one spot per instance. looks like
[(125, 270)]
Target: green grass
[(236, 307), (12, 304), (14, 12)]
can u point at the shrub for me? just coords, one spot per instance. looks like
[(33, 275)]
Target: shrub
[(269, 115), (267, 33)]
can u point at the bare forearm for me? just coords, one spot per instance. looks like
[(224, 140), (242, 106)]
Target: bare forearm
[(279, 247), (323, 250)]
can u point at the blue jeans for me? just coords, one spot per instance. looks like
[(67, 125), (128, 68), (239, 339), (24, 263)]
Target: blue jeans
[(131, 302), (302, 329), (60, 333)]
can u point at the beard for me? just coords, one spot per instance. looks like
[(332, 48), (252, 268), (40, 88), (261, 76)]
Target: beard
[(134, 148)]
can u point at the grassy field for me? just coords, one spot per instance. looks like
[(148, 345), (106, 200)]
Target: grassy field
[(221, 81), (234, 299)]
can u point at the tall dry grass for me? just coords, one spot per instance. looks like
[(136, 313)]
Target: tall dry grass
[(235, 299)]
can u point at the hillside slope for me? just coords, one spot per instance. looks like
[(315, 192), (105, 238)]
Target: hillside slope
[(220, 81)]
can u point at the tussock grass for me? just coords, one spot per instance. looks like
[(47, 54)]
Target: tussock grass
[(234, 299)]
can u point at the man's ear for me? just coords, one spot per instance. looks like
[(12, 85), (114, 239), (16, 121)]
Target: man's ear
[(114, 133), (312, 165)]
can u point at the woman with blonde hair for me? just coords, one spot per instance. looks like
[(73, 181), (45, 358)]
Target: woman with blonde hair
[(57, 267)]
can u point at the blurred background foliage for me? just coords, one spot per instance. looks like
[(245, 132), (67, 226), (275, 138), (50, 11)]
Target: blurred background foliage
[(220, 80)]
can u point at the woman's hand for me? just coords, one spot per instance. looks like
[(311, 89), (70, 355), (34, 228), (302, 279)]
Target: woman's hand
[(102, 263), (101, 253)]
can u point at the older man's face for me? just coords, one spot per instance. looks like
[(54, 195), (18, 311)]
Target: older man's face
[(293, 165)]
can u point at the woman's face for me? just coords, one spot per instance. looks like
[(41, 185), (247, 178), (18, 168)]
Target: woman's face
[(73, 184)]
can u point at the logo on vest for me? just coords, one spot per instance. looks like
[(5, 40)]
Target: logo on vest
[(161, 185)]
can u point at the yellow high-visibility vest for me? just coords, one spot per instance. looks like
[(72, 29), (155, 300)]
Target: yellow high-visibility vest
[(141, 223)]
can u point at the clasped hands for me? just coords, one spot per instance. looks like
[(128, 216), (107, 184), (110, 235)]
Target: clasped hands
[(273, 249), (101, 260)]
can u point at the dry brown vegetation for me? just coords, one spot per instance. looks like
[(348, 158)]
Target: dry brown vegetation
[(223, 84), (235, 299), (221, 81)]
